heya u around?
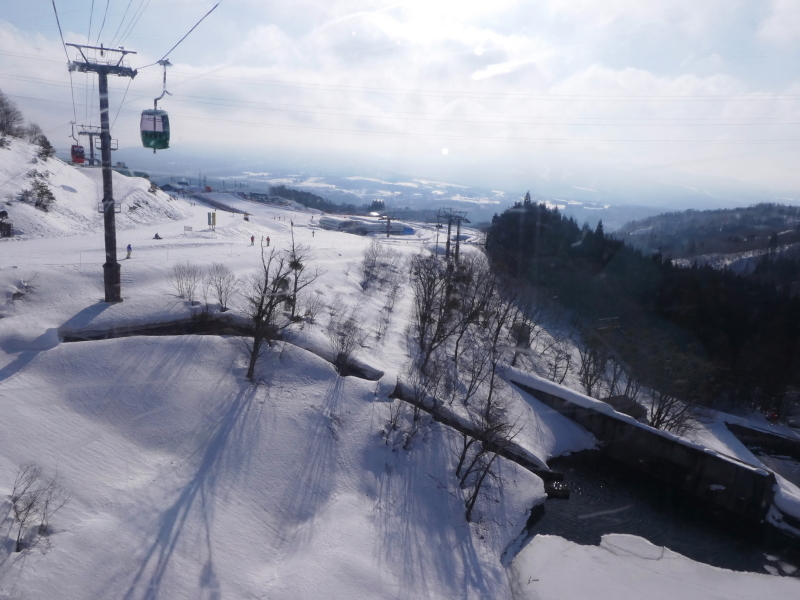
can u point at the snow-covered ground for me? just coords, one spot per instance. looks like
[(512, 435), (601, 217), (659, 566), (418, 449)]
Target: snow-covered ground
[(625, 567), (186, 481)]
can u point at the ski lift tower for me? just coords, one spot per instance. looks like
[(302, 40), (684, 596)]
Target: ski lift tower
[(452, 216), (111, 65), (92, 131)]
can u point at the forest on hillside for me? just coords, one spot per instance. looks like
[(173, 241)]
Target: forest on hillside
[(310, 200), (708, 335), (695, 232)]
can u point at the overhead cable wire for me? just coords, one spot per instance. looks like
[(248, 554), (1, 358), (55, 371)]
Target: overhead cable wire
[(63, 45), (125, 14), (121, 103), (184, 37), (91, 15), (134, 21), (467, 137), (761, 97), (88, 41), (463, 118), (103, 24)]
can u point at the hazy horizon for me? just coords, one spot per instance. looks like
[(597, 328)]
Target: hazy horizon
[(667, 104)]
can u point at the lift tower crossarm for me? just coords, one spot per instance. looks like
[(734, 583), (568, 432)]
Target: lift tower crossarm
[(111, 268), (110, 67)]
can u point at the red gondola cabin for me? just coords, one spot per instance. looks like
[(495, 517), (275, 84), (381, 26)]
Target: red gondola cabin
[(78, 155)]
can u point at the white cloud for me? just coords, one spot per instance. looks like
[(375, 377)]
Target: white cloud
[(782, 25), (527, 88), (501, 69)]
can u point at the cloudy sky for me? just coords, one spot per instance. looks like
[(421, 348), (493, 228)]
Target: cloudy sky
[(593, 93)]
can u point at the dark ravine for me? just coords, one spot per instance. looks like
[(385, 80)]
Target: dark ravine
[(775, 442), (725, 482), (607, 497)]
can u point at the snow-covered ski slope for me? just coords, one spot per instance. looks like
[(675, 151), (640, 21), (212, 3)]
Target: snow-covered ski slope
[(77, 192), (189, 482)]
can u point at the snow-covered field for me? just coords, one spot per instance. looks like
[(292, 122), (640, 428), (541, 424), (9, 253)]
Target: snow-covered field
[(187, 481), (627, 567)]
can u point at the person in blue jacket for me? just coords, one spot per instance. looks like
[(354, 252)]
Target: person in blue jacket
[(129, 251)]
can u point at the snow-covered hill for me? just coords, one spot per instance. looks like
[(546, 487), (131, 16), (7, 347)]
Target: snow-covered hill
[(188, 481), (77, 192)]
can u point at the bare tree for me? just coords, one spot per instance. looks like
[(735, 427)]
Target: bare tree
[(561, 360), (435, 304), (263, 293), (185, 278), (474, 369), (223, 282), (299, 256), (369, 264), (526, 323), (594, 359), (477, 451), (668, 374), (35, 498), (476, 286), (394, 435), (11, 119), (665, 411), (32, 132), (314, 303), (346, 333), (379, 264)]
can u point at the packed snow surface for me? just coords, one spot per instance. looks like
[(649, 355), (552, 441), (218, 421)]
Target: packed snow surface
[(626, 567), (187, 481)]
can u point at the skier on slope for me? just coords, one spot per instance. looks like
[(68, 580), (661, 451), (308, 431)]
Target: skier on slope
[(252, 240), (129, 251)]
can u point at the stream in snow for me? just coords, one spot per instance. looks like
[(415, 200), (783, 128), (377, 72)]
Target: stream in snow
[(609, 498)]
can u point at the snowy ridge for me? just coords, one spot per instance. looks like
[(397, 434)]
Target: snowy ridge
[(738, 262), (77, 192)]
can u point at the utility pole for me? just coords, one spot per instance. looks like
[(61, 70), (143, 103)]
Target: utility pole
[(111, 268)]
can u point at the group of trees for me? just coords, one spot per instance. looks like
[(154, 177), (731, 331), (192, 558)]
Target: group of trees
[(741, 337), (468, 320), (35, 498), (12, 123), (39, 193), (270, 295), (693, 232), (314, 201)]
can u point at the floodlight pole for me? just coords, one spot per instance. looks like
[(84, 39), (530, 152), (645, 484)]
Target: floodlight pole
[(111, 268)]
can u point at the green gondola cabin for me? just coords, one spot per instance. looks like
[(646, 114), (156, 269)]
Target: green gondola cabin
[(155, 129)]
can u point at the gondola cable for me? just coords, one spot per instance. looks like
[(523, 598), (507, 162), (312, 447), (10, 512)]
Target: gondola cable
[(134, 21), (119, 27), (103, 24), (63, 45), (183, 38)]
